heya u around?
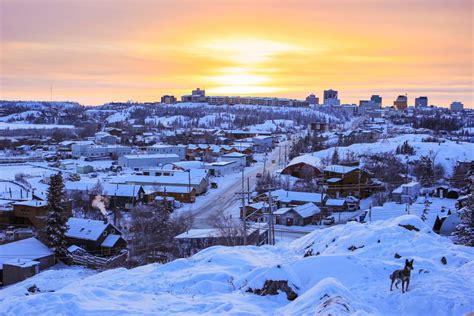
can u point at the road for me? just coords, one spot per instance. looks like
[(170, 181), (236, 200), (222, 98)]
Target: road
[(229, 197)]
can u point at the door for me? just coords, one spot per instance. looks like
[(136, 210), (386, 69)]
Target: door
[(289, 221)]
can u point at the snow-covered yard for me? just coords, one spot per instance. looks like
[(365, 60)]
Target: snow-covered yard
[(348, 273)]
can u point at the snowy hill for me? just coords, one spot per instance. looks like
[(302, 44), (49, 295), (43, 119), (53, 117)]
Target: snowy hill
[(447, 152), (348, 272)]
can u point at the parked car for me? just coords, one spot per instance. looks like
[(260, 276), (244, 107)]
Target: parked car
[(329, 220), (259, 175), (213, 185)]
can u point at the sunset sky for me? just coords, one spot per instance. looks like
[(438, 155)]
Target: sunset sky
[(118, 50)]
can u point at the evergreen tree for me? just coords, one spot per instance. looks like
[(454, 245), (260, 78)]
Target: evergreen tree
[(56, 218), (335, 157)]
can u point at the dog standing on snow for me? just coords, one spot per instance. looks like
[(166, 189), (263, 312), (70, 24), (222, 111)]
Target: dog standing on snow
[(402, 275)]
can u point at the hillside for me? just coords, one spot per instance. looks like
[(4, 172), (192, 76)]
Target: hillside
[(348, 272)]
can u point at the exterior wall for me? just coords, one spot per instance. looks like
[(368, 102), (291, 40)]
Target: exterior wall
[(291, 218), (239, 161), (177, 150), (140, 162), (13, 274), (349, 184)]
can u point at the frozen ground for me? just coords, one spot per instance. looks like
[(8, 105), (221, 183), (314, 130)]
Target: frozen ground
[(337, 279)]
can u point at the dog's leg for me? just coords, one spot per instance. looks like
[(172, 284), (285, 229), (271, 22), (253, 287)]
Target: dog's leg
[(408, 283), (397, 283), (403, 284), (391, 285)]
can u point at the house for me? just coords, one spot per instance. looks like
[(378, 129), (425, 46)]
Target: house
[(255, 212), (193, 178), (120, 195), (178, 193), (179, 150), (95, 236), (304, 167), (194, 240), (221, 168), (285, 198), (22, 259), (336, 205), (300, 215), (406, 192), (34, 212), (106, 138), (239, 159), (347, 181), (149, 160)]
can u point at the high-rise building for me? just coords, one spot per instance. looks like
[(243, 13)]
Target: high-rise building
[(456, 106), (330, 97), (168, 99), (312, 99), (376, 99), (401, 102), (421, 102)]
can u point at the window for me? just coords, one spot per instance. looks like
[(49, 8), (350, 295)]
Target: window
[(104, 233)]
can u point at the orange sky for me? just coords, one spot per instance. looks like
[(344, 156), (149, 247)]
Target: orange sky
[(118, 50)]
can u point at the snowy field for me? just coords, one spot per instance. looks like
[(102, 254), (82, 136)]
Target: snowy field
[(336, 280)]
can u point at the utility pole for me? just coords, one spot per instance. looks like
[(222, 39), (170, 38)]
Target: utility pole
[(264, 164), (271, 226), (244, 208)]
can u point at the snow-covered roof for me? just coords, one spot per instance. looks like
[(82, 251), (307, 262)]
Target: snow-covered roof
[(110, 240), (335, 202), (22, 263), (199, 233), (289, 196), (307, 210), (233, 155), (340, 169), (149, 156), (27, 249), (109, 189), (306, 159), (81, 228), (32, 203)]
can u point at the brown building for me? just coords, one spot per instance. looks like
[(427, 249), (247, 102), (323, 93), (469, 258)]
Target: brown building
[(346, 180), (94, 236), (22, 259), (304, 167), (33, 212)]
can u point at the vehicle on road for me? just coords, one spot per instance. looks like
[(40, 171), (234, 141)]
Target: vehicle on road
[(259, 175)]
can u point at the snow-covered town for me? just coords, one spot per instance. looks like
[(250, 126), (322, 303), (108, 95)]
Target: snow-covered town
[(237, 157), (128, 197)]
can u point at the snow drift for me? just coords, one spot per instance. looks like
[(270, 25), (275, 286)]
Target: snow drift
[(340, 270)]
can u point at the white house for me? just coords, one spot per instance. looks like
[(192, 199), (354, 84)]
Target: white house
[(406, 192), (141, 161), (221, 168), (179, 150), (238, 158)]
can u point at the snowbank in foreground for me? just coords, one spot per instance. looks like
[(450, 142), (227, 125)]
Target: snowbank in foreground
[(348, 272)]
